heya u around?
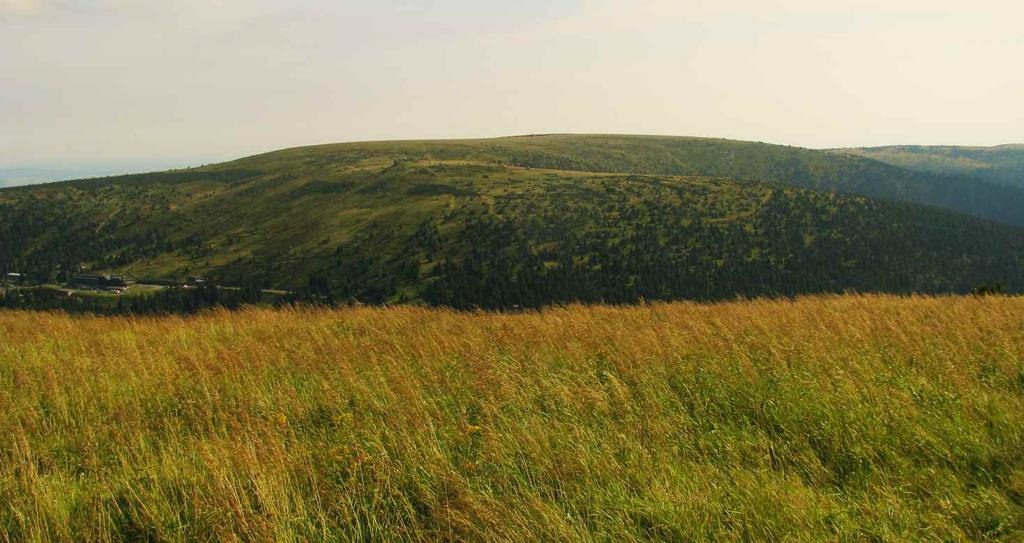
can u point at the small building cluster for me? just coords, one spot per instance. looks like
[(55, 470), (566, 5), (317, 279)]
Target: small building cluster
[(105, 283)]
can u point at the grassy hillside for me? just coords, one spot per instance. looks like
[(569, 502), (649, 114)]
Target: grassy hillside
[(1003, 164), (489, 223), (791, 166), (857, 418)]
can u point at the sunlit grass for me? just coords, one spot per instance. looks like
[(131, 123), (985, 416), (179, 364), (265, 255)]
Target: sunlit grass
[(852, 418)]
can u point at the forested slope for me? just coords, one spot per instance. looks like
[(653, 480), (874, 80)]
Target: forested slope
[(489, 223), (1003, 164)]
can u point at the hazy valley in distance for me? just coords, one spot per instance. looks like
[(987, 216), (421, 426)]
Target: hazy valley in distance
[(18, 176)]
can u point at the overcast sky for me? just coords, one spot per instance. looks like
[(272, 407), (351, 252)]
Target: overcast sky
[(179, 82)]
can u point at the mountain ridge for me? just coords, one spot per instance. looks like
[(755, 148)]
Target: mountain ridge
[(715, 157), (517, 221)]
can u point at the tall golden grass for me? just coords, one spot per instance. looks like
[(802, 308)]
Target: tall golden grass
[(837, 418)]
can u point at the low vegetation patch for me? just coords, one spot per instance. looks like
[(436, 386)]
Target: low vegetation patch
[(836, 418)]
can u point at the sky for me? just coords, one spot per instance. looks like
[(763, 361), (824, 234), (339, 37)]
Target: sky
[(145, 84)]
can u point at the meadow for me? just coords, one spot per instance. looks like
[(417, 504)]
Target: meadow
[(829, 418)]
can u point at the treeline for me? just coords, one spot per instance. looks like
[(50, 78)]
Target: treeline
[(643, 241), (541, 239), (165, 301), (794, 244)]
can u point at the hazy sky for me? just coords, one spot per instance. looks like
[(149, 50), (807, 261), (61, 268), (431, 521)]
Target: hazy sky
[(92, 82)]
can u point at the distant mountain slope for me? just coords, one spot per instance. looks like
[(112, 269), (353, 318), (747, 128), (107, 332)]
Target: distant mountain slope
[(797, 167), (1003, 164), (491, 223)]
